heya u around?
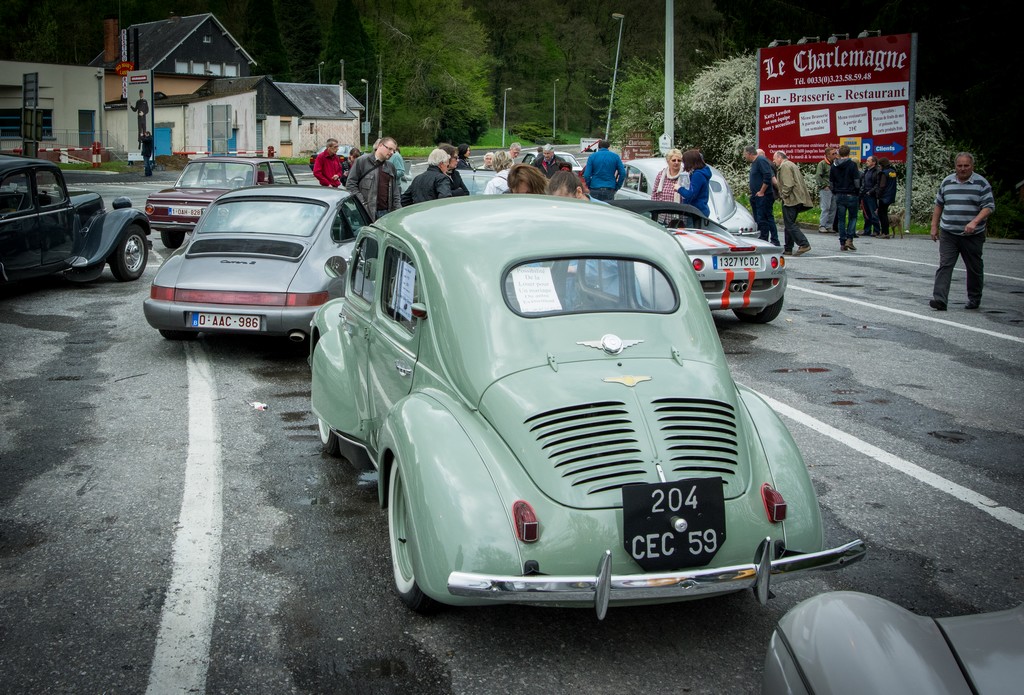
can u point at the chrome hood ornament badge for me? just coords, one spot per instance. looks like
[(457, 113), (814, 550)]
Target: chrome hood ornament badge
[(610, 343)]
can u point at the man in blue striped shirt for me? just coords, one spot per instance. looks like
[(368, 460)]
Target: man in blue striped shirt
[(963, 202)]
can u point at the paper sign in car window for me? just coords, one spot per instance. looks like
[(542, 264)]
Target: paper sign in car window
[(535, 290), (406, 284)]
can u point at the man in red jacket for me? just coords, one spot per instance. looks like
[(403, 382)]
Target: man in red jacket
[(327, 167)]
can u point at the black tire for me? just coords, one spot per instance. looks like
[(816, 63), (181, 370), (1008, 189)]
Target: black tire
[(766, 315), (401, 557), (128, 261), (179, 335), (172, 239), (329, 440)]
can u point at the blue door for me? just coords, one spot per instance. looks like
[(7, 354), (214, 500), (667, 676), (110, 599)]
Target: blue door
[(233, 141), (162, 142)]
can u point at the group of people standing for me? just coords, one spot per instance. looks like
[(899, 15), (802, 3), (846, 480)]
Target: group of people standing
[(963, 203), (844, 191)]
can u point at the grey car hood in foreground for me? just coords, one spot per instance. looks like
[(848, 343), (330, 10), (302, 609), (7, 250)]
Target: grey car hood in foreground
[(848, 642)]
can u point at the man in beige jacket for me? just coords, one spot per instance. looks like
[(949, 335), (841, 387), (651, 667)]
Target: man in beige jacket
[(795, 198)]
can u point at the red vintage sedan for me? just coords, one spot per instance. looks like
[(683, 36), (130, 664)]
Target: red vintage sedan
[(174, 211)]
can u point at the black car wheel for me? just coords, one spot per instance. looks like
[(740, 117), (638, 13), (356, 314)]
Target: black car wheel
[(328, 439), (399, 529), (172, 239), (129, 258), (766, 315)]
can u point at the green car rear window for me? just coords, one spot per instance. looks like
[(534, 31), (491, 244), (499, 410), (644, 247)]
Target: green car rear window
[(581, 285)]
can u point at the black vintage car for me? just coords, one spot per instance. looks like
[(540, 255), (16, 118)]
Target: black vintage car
[(45, 229)]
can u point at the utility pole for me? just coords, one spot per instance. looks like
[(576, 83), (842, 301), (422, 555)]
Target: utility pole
[(554, 110), (615, 73)]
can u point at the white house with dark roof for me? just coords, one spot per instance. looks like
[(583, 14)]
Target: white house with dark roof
[(325, 111), (196, 47)]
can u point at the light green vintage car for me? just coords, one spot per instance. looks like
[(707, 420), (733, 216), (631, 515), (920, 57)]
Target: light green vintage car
[(539, 383)]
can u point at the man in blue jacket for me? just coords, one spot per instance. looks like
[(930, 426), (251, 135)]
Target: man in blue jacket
[(605, 173), (762, 194)]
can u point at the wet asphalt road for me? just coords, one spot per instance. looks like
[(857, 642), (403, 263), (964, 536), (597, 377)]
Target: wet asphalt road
[(93, 440)]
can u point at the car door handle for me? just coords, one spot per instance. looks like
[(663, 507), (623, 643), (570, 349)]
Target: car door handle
[(403, 369)]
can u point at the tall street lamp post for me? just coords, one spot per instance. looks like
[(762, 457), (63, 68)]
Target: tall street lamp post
[(554, 110), (318, 72), (504, 110), (615, 73), (366, 115)]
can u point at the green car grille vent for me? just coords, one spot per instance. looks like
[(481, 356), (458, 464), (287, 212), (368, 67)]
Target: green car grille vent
[(599, 447)]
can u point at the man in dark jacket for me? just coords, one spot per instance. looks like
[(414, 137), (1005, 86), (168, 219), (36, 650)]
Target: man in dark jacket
[(374, 181), (869, 197), (147, 152), (432, 183), (844, 177), (886, 193), (762, 194)]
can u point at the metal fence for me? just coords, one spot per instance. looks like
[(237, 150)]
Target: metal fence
[(71, 140)]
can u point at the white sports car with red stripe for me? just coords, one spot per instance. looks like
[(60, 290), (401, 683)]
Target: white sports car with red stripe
[(739, 273)]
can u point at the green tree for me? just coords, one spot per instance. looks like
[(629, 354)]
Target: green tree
[(434, 65), (348, 41), (263, 42), (303, 39)]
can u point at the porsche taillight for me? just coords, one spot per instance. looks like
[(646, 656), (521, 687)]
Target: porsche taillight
[(527, 526), (774, 504), (293, 299), (305, 298), (163, 294)]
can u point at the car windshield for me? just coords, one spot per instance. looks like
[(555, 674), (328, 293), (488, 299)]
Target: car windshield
[(581, 285), (215, 175), (262, 216)]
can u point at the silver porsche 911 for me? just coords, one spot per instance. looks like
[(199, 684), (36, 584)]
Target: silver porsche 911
[(256, 263)]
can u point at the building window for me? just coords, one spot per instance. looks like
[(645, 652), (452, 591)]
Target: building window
[(181, 67), (207, 39), (286, 131), (231, 70), (215, 69)]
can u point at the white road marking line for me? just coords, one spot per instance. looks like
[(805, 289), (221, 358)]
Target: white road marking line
[(1005, 514), (182, 652), (901, 312), (1014, 278)]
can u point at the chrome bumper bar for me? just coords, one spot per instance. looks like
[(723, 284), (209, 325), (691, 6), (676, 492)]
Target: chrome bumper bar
[(603, 587)]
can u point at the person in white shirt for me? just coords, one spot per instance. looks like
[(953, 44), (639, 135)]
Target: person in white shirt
[(499, 184)]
